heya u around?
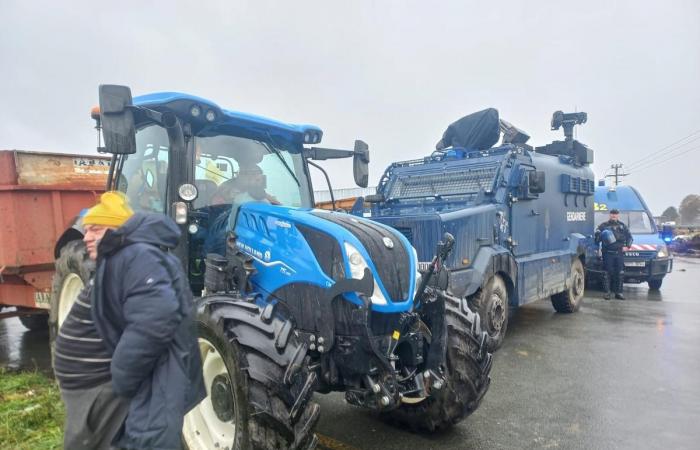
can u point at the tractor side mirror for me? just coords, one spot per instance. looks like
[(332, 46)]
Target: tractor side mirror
[(536, 182), (117, 119), (360, 163)]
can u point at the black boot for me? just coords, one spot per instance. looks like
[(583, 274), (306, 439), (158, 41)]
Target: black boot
[(619, 296), (606, 296)]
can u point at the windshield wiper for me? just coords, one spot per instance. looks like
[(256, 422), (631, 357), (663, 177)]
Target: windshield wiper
[(273, 149)]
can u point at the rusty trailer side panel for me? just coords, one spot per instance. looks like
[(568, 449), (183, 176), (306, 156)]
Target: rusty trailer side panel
[(40, 195)]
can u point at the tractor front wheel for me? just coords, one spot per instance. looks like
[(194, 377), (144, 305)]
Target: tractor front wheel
[(467, 375), (253, 401)]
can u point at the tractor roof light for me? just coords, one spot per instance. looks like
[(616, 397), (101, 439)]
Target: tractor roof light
[(312, 137), (196, 110), (210, 115)]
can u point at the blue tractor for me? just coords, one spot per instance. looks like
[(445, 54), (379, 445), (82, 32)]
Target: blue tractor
[(291, 300), (522, 216)]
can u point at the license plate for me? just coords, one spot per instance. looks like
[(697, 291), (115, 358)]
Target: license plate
[(635, 264)]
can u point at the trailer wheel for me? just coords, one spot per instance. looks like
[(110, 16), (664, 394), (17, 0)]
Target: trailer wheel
[(241, 412), (491, 303), (570, 300), (468, 368), (73, 270), (655, 284), (33, 322)]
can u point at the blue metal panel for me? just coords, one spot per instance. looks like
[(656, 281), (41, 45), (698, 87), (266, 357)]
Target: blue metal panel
[(228, 117), (269, 234), (624, 198)]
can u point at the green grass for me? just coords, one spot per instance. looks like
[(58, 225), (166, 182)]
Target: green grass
[(31, 411)]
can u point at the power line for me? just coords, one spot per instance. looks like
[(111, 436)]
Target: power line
[(661, 156), (657, 163), (657, 153)]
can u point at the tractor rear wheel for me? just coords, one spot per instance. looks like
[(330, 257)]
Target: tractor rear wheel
[(253, 402), (570, 300), (491, 303), (468, 367), (73, 270)]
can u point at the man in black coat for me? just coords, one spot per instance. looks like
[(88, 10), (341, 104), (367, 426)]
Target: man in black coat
[(142, 309), (613, 236)]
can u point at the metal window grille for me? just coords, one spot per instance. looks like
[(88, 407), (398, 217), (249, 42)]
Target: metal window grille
[(468, 181)]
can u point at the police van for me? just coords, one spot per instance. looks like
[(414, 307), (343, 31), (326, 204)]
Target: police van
[(648, 258)]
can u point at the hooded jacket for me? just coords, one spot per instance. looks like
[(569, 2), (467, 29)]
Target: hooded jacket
[(142, 307)]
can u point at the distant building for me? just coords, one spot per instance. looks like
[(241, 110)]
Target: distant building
[(325, 196)]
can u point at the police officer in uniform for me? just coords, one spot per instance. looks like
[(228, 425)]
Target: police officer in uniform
[(613, 236)]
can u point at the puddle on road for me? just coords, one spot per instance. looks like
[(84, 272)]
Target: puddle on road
[(23, 349)]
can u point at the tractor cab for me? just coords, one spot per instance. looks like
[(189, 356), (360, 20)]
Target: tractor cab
[(198, 163)]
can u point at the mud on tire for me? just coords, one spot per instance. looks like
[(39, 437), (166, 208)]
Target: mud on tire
[(468, 367), (570, 300), (491, 304), (265, 384)]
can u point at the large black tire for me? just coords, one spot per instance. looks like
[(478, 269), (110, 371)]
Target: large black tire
[(72, 268), (265, 389), (33, 322), (468, 368), (570, 300), (491, 303), (655, 284)]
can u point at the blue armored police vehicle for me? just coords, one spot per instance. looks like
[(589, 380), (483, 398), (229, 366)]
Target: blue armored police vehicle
[(521, 216), (291, 300), (648, 258)]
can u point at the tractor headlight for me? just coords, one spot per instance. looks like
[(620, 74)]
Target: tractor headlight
[(358, 264), (663, 251), (418, 274)]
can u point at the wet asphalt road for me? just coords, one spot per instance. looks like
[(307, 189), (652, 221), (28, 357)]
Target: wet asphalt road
[(617, 374)]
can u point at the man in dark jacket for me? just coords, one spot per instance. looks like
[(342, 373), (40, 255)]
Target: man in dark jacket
[(143, 311), (613, 236)]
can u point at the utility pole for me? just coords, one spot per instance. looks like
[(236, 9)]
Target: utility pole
[(617, 175)]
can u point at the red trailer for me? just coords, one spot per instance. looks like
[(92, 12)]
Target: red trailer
[(40, 195)]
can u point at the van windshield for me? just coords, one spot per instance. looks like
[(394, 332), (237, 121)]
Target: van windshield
[(638, 222)]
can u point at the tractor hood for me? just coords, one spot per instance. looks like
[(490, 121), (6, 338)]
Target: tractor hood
[(308, 247)]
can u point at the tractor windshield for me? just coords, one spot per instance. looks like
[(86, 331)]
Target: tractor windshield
[(235, 170), (228, 170)]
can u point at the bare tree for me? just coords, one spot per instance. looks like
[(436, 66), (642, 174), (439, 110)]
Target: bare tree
[(690, 209)]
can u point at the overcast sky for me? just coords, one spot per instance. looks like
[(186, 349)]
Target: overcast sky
[(393, 73)]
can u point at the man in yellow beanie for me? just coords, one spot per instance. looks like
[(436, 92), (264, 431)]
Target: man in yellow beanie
[(128, 346)]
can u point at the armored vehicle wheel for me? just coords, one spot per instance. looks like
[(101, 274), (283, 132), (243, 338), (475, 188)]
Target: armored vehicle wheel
[(570, 300), (491, 303), (73, 270), (257, 390), (33, 322), (468, 367), (655, 285)]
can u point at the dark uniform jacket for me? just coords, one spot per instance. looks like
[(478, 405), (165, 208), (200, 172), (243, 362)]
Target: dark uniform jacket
[(143, 309), (623, 237)]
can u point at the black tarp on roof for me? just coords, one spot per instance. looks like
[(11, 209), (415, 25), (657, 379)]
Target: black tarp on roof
[(477, 131)]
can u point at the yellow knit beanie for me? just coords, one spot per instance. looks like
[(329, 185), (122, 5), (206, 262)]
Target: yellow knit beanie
[(112, 211)]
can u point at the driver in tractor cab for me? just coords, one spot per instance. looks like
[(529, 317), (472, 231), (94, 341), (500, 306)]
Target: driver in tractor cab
[(248, 186)]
